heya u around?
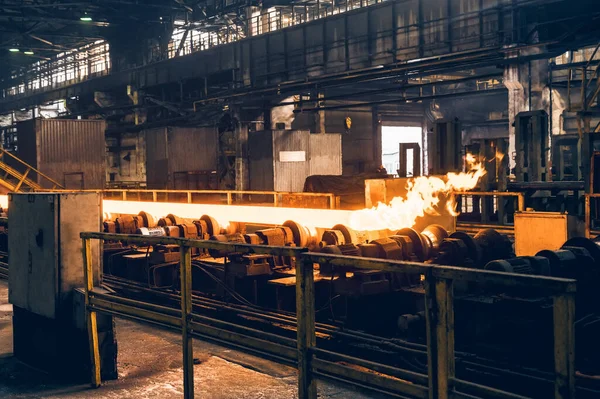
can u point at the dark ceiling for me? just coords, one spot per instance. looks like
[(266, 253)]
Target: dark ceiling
[(48, 27)]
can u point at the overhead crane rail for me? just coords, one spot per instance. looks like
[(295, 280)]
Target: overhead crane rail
[(440, 381)]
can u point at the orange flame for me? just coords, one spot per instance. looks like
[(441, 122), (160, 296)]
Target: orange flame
[(423, 197)]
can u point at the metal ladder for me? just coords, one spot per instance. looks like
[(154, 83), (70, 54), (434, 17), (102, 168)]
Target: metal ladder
[(15, 181)]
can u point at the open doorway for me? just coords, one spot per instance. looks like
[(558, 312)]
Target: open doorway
[(391, 138)]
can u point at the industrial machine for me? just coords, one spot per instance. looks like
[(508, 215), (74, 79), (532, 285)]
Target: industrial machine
[(358, 298), (45, 270), (352, 304)]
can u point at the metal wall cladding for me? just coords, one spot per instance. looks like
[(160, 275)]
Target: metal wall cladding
[(281, 160), (176, 150), (289, 147), (325, 154), (72, 152), (260, 164)]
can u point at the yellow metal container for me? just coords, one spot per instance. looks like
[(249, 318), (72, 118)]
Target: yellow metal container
[(536, 231)]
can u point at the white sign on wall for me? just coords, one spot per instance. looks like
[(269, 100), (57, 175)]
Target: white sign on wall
[(292, 156)]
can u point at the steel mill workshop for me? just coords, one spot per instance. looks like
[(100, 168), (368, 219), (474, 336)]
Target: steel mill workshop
[(310, 199)]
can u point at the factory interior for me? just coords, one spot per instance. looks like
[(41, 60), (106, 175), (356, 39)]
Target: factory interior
[(305, 199)]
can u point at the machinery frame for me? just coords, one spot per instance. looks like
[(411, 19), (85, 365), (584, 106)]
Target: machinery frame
[(440, 381)]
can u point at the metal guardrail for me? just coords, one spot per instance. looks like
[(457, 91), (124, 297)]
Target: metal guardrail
[(191, 196), (21, 179), (520, 206), (439, 383)]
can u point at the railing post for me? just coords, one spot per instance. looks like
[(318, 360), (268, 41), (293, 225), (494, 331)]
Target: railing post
[(229, 198), (588, 216), (521, 202), (186, 314), (92, 324), (439, 318), (189, 197), (564, 346), (124, 194), (154, 196), (305, 312)]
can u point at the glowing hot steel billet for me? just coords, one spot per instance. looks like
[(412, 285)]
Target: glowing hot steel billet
[(310, 218), (423, 196)]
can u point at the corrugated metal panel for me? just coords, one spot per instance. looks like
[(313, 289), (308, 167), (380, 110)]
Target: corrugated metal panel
[(174, 150), (260, 165), (290, 175), (325, 154), (26, 144), (281, 160), (157, 168), (191, 149), (73, 152)]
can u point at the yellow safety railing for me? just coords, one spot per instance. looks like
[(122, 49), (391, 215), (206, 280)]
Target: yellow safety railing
[(440, 381), (16, 181), (231, 197), (487, 210), (439, 316)]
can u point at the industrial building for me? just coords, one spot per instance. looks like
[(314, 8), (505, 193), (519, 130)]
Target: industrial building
[(300, 199)]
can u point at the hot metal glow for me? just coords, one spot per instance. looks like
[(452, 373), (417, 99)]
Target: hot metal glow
[(423, 196), (311, 218)]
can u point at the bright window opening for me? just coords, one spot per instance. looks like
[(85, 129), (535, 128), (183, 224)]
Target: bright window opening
[(391, 138)]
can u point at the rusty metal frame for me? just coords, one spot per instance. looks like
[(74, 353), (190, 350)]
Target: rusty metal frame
[(440, 381), (23, 180), (180, 319), (520, 196), (520, 202), (588, 215), (278, 196), (440, 323)]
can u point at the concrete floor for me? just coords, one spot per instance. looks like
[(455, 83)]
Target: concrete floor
[(150, 366)]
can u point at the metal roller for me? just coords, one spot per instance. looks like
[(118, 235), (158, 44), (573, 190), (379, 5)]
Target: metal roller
[(406, 245), (235, 238), (301, 235), (212, 226), (435, 234), (421, 246), (350, 236), (333, 237), (147, 219), (125, 224), (172, 231), (493, 245), (474, 250)]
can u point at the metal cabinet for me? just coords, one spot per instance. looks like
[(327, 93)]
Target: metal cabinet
[(46, 261)]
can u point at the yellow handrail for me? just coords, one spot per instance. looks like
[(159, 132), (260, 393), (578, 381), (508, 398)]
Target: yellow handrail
[(29, 168)]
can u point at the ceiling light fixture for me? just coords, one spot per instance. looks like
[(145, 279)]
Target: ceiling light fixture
[(13, 50), (28, 52), (86, 18)]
